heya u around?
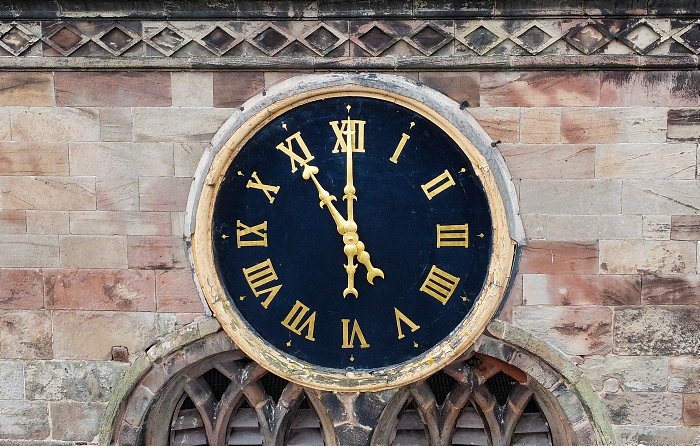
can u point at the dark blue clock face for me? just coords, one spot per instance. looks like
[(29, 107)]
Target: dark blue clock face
[(408, 209)]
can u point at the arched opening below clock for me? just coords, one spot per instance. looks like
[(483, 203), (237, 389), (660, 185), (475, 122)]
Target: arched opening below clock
[(473, 402)]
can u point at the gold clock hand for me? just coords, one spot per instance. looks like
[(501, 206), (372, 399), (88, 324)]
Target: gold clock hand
[(348, 229), (353, 245)]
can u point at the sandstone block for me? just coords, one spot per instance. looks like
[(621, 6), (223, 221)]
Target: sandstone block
[(84, 381), (565, 290), (42, 158), (122, 159), (274, 77), (549, 161), (29, 251), (231, 89), (92, 334), (192, 89), (120, 223), (117, 194), (178, 124), (691, 409), (644, 408), (583, 227), (176, 292), (661, 161), (25, 334), (462, 87), (55, 124), (163, 193), (5, 125), (116, 124), (670, 290), (649, 88), (156, 252), (48, 222), (113, 89), (47, 193), (656, 227), (684, 124), (574, 330), (650, 330), (28, 420), (540, 89), (501, 123), (13, 222), (11, 380), (574, 197), (656, 435), (100, 289), (684, 374), (685, 227), (545, 257), (613, 125), (64, 415), (25, 88), (21, 289), (661, 197), (93, 251), (647, 257), (632, 373), (187, 155), (540, 125)]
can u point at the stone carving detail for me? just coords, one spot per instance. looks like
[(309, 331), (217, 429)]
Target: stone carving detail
[(136, 39)]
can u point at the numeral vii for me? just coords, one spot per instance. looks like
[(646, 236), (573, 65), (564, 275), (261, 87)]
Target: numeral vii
[(296, 323)]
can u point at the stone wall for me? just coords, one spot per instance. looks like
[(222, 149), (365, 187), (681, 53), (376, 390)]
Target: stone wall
[(599, 124)]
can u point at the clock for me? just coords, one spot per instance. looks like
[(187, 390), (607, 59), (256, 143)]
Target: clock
[(349, 238)]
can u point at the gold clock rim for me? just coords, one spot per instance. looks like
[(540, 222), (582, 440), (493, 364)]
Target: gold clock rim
[(301, 372)]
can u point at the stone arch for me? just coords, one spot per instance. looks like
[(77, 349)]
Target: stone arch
[(171, 371), (568, 402), (548, 376)]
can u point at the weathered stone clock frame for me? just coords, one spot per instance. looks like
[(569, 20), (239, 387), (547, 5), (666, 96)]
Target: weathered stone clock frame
[(447, 115)]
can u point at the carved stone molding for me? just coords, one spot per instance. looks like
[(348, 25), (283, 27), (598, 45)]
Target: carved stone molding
[(350, 44)]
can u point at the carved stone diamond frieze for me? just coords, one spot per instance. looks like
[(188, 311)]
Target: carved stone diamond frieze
[(15, 38), (322, 39), (588, 36), (271, 39), (167, 39), (534, 37), (65, 39), (117, 39), (481, 37), (429, 38), (219, 40), (642, 36)]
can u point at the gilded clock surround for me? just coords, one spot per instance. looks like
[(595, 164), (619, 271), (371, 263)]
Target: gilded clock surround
[(507, 231)]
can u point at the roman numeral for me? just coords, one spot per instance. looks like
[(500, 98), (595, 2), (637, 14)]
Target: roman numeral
[(266, 188), (259, 276), (453, 235), (438, 184), (400, 317), (296, 323), (439, 284), (349, 336), (288, 149), (357, 139), (258, 231), (395, 157)]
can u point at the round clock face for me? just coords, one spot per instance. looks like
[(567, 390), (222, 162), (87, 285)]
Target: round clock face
[(349, 234)]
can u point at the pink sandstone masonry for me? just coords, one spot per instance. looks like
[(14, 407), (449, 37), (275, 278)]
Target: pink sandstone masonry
[(96, 167)]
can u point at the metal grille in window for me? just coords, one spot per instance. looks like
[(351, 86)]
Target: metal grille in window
[(472, 403), (225, 406)]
